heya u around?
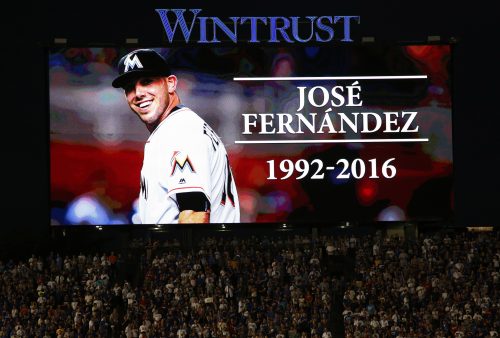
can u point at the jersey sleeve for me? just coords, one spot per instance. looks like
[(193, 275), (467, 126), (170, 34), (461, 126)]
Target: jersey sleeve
[(188, 167)]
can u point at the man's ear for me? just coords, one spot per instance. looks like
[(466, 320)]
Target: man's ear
[(171, 83)]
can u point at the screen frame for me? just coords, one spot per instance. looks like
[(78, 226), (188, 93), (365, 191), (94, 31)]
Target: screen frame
[(301, 223)]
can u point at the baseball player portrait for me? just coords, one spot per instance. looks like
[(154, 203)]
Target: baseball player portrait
[(186, 175)]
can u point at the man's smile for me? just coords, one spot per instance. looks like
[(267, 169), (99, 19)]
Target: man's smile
[(144, 104)]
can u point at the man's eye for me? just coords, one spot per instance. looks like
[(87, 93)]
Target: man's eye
[(145, 82), (128, 86)]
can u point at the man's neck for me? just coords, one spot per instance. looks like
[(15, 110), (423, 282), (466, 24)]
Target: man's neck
[(173, 103)]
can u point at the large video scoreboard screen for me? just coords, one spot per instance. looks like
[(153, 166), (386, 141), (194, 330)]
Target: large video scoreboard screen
[(312, 133)]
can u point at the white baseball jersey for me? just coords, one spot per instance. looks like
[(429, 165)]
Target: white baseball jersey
[(183, 154)]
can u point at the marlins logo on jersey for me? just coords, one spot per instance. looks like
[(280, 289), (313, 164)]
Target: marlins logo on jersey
[(179, 162)]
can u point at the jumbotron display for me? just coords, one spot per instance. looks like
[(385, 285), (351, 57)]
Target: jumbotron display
[(242, 134)]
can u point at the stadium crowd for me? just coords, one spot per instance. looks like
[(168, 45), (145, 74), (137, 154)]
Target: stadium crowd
[(224, 288), (445, 285)]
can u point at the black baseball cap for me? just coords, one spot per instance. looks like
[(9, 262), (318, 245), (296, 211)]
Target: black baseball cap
[(140, 62)]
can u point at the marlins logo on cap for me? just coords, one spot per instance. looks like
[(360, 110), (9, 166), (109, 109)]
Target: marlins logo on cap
[(131, 62), (140, 62)]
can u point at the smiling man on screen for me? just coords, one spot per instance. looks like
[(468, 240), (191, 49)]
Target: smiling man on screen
[(186, 176)]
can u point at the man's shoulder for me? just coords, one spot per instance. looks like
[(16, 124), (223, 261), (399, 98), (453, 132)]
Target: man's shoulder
[(186, 115), (184, 123), (179, 120)]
